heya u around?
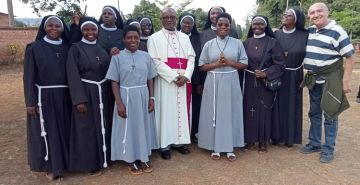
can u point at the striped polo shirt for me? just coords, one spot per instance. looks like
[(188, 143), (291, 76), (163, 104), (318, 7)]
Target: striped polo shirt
[(326, 46)]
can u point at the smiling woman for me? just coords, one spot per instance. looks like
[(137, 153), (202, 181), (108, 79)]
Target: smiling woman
[(86, 68), (47, 99)]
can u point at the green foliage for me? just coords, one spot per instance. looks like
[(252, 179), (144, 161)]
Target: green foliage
[(145, 7), (201, 16), (19, 24), (345, 12), (148, 9), (67, 7)]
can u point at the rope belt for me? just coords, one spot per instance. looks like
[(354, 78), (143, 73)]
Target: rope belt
[(43, 132), (101, 106), (127, 109), (214, 87), (293, 69)]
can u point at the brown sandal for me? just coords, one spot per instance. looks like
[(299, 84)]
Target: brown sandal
[(146, 167), (215, 156), (134, 169)]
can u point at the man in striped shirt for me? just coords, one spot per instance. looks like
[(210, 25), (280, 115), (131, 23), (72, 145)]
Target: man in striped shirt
[(327, 45)]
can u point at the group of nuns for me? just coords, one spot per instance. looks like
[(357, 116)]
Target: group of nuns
[(80, 88)]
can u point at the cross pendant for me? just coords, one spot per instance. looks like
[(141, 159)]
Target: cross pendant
[(179, 63), (252, 110), (57, 55), (133, 67), (98, 59), (286, 53)]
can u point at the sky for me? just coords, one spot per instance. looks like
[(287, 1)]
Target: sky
[(238, 9)]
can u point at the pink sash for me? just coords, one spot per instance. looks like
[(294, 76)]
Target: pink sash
[(181, 63)]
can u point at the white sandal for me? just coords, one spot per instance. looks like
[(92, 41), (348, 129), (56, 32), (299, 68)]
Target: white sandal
[(215, 156), (231, 156)]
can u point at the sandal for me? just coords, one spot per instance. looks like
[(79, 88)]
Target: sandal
[(134, 169), (215, 156), (231, 156), (146, 167), (50, 176)]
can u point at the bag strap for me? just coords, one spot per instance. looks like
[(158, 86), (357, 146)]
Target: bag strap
[(264, 51)]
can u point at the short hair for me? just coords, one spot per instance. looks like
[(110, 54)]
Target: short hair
[(129, 28), (322, 5), (224, 15), (168, 9)]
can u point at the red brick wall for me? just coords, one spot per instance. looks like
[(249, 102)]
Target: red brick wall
[(13, 42), (4, 20)]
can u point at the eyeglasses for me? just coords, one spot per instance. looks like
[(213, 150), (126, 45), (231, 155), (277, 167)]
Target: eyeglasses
[(172, 18)]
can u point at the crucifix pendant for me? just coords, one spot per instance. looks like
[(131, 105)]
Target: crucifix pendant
[(98, 59), (133, 67), (57, 55), (252, 110), (286, 53), (256, 47), (179, 63)]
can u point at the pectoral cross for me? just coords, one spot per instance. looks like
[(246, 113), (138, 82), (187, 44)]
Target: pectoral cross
[(286, 53), (98, 59), (252, 110), (57, 55), (179, 63)]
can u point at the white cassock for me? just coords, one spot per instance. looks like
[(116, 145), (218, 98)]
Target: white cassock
[(169, 50)]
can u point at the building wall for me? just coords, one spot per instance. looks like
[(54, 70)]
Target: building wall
[(4, 20), (13, 42)]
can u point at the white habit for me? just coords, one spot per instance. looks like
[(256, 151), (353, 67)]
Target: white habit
[(172, 123)]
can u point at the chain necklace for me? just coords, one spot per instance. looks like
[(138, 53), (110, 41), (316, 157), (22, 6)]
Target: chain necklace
[(222, 51)]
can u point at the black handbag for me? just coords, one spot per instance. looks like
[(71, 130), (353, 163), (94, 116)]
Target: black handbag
[(272, 85)]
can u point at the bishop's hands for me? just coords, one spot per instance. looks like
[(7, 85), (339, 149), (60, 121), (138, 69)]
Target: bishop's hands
[(181, 80)]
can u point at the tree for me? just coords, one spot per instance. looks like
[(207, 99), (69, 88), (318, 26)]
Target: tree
[(344, 12), (201, 17), (148, 9), (153, 10), (67, 7), (10, 13)]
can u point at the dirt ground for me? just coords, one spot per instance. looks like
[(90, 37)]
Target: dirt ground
[(281, 165)]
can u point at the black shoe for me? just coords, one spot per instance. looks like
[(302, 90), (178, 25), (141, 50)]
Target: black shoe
[(182, 150), (166, 155)]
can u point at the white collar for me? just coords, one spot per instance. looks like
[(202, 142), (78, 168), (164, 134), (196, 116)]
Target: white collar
[(219, 38), (186, 33), (289, 31), (169, 32), (108, 29), (213, 28), (144, 38), (130, 52), (88, 42), (259, 36), (55, 42)]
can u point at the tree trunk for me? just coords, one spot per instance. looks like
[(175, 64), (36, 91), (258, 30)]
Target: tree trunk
[(10, 13)]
